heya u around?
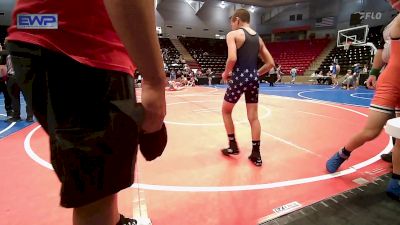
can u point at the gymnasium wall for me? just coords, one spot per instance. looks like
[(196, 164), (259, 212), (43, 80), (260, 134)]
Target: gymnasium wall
[(347, 7), (282, 19), (180, 15), (6, 7), (340, 9)]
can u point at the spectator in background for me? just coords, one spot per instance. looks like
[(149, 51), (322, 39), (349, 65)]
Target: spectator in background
[(181, 59), (208, 71), (365, 69), (184, 80), (209, 75), (3, 87), (324, 79), (356, 74), (357, 68), (172, 75), (209, 79), (279, 73), (186, 67), (334, 71), (271, 73), (191, 73), (318, 78), (14, 91), (199, 73), (348, 80), (293, 74), (178, 73), (337, 68), (315, 77), (139, 80), (192, 79)]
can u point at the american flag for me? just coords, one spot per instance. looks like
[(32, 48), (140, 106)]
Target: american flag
[(325, 22)]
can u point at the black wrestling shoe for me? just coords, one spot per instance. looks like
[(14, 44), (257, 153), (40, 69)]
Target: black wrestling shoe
[(230, 151), (14, 119), (255, 158)]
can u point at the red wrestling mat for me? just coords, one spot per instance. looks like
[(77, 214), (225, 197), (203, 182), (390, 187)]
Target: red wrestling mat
[(193, 183)]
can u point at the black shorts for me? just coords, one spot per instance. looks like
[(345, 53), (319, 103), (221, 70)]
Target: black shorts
[(239, 85), (85, 112)]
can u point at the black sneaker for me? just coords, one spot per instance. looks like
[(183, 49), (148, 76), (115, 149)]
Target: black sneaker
[(255, 158), (387, 157), (232, 150), (9, 113), (14, 119), (29, 119), (126, 221)]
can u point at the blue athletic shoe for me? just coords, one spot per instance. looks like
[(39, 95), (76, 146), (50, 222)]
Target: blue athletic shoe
[(333, 164), (393, 189)]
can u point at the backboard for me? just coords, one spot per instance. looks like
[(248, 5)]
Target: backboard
[(355, 36)]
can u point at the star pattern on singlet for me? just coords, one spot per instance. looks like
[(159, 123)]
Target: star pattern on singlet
[(243, 81)]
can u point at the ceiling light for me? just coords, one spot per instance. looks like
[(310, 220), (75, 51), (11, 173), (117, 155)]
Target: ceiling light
[(252, 9), (222, 4)]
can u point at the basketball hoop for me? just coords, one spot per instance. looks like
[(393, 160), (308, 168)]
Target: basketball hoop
[(347, 45)]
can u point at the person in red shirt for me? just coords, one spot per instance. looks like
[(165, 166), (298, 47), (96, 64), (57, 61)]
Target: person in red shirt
[(79, 72)]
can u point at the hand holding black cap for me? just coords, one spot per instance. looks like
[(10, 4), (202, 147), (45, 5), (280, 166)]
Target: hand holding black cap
[(151, 145)]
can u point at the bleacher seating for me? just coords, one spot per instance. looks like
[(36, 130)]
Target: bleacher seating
[(3, 34), (288, 54), (347, 58), (374, 35), (209, 53), (215, 63), (171, 54), (298, 54)]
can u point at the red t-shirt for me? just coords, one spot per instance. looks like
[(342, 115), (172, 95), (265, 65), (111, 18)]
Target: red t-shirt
[(84, 33)]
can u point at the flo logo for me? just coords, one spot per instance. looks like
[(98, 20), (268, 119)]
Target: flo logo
[(370, 15)]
